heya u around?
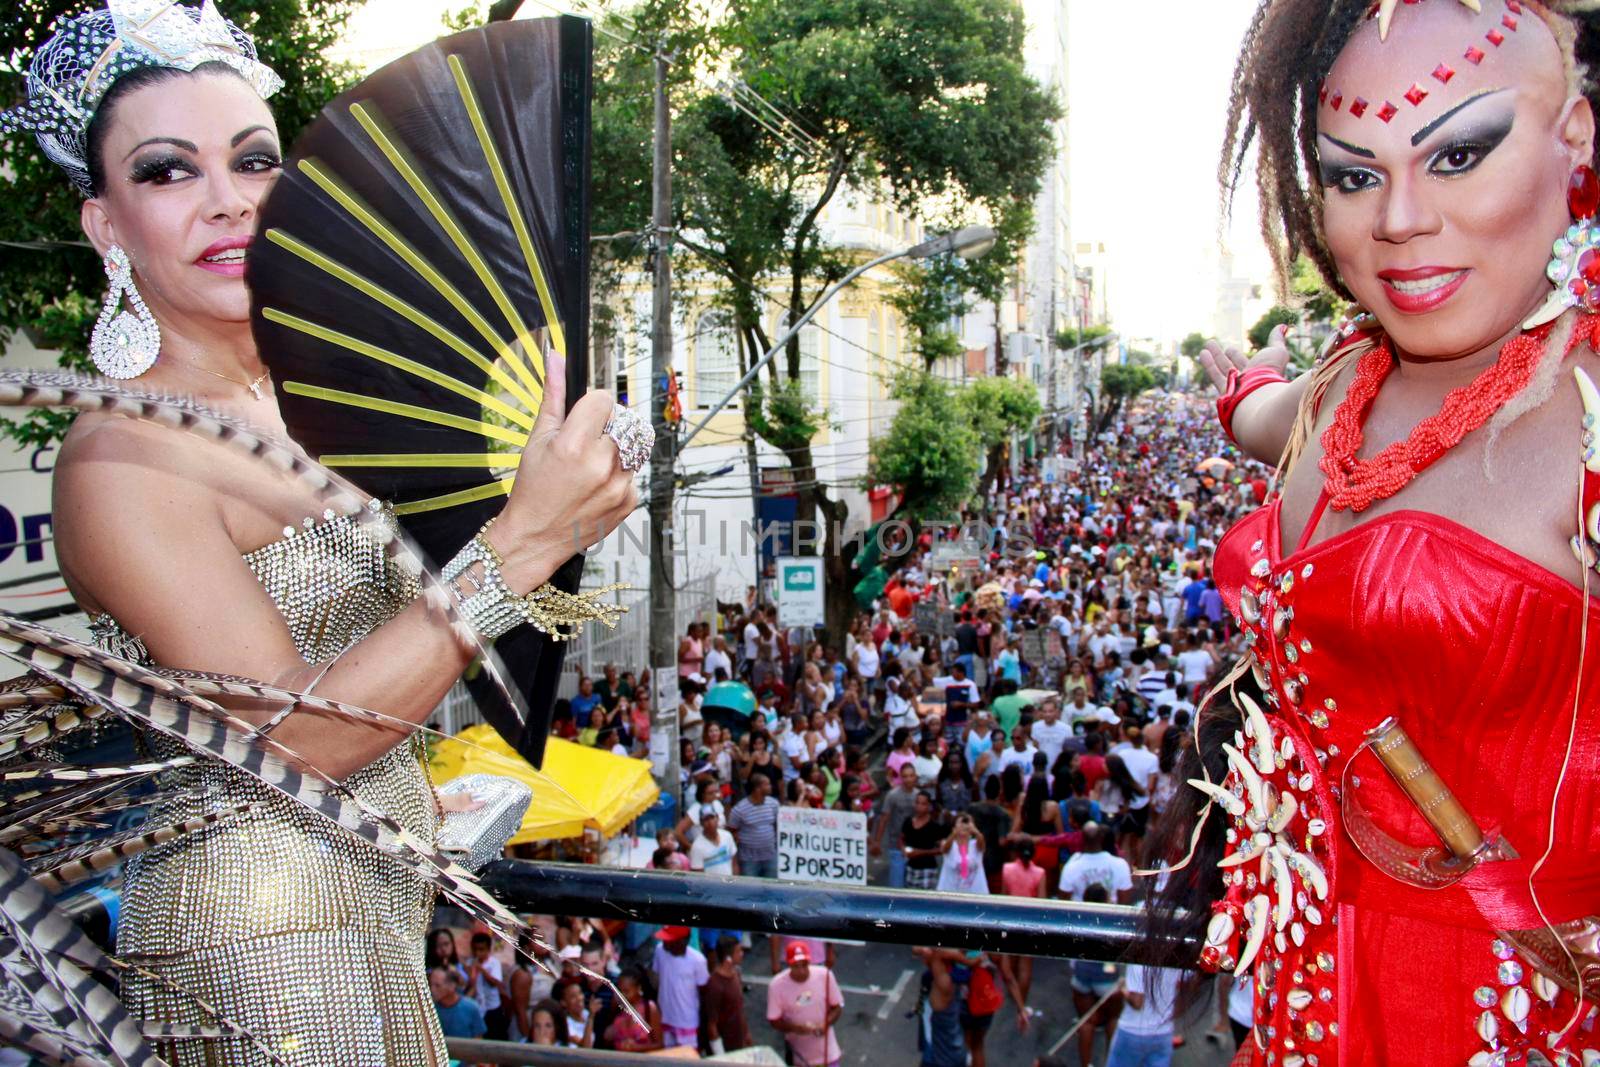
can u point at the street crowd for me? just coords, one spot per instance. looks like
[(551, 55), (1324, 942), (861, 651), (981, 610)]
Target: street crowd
[(1008, 715)]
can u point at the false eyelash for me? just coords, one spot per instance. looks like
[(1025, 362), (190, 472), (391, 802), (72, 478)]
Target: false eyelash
[(148, 170), (271, 159)]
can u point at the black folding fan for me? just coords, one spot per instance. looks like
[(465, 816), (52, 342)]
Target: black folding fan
[(426, 245)]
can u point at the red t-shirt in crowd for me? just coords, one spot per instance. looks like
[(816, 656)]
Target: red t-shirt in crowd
[(1093, 768)]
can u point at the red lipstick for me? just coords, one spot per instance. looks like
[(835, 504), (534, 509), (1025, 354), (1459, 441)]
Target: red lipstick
[(225, 256), (1419, 290)]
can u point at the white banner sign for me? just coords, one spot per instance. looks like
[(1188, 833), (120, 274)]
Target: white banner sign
[(822, 846), (800, 592)]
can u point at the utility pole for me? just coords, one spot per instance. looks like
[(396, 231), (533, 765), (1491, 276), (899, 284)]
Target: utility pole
[(663, 590)]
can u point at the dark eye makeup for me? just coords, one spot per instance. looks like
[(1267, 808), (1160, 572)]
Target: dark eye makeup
[(1466, 149), (169, 168), (1462, 153)]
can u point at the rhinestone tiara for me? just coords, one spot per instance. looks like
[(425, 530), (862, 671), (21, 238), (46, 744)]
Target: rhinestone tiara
[(72, 71)]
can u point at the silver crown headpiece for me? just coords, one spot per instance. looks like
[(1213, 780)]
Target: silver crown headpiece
[(72, 71)]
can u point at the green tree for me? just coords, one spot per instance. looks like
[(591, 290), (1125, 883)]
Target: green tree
[(1072, 338), (1260, 334), (1119, 383), (50, 286), (996, 408), (917, 101), (1321, 304), (931, 450), (1191, 345)]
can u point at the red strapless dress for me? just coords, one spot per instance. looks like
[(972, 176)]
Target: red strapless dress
[(1476, 650)]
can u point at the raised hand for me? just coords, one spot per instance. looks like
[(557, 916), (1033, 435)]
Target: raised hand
[(1219, 360), (571, 490)]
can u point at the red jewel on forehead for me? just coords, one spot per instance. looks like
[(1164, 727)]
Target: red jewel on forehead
[(1474, 55), (1495, 37), (1416, 94), (1387, 111), (1443, 74), (1336, 100), (1358, 107)]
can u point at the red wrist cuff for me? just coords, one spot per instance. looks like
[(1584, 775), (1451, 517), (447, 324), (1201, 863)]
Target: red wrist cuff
[(1240, 385)]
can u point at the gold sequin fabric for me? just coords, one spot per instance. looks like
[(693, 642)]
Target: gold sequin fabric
[(289, 927)]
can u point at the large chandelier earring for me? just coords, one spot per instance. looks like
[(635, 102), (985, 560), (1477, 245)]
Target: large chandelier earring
[(1575, 259), (125, 343)]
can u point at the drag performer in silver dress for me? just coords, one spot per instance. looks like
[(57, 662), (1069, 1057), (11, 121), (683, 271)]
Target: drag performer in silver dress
[(278, 915)]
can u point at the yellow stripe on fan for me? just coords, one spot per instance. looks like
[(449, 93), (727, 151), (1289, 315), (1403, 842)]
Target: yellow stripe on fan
[(410, 366), (409, 411), (489, 460), (436, 208), (409, 312), (558, 337), (450, 500)]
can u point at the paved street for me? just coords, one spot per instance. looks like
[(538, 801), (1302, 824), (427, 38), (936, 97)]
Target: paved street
[(880, 986)]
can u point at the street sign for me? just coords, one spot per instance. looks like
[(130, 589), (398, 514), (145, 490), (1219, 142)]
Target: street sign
[(817, 845), (801, 602)]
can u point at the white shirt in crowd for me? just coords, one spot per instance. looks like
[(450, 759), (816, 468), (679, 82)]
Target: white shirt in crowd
[(715, 659), (866, 655), (713, 858), (1023, 759), (484, 991), (1159, 985), (898, 709), (1051, 737), (1196, 664), (1084, 869), (752, 641), (1143, 765)]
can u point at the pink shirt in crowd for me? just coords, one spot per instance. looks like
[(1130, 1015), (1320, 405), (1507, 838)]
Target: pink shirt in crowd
[(807, 1003)]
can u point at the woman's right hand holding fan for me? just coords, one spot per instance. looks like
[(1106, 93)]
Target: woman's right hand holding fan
[(571, 490)]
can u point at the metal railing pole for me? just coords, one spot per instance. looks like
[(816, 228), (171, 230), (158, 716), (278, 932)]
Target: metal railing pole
[(1016, 925)]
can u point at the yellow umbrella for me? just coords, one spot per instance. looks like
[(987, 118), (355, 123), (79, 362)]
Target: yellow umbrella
[(580, 788)]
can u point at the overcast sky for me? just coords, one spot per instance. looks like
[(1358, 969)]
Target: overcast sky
[(1148, 96)]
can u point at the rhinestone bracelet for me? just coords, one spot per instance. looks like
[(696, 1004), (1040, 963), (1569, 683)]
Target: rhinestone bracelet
[(493, 609)]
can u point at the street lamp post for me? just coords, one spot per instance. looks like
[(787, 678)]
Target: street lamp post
[(971, 242)]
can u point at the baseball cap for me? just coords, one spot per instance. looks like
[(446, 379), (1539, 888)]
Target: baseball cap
[(699, 767), (797, 953), (672, 933), (571, 952), (1107, 715)]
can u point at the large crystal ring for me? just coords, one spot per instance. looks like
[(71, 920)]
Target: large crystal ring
[(634, 437)]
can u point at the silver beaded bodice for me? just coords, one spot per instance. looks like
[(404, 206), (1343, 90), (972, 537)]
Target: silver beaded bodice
[(288, 926), (332, 582)]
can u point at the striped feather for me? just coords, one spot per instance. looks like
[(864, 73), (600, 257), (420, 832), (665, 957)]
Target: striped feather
[(19, 822), (53, 944), (161, 704), (82, 772), (57, 870), (24, 733)]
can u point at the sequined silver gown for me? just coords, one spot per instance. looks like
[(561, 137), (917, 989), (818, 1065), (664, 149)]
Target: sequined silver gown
[(286, 926)]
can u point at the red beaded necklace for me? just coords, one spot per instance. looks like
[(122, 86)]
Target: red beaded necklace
[(1357, 484)]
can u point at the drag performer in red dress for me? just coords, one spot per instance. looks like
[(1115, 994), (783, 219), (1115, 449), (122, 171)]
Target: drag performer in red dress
[(1419, 589)]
